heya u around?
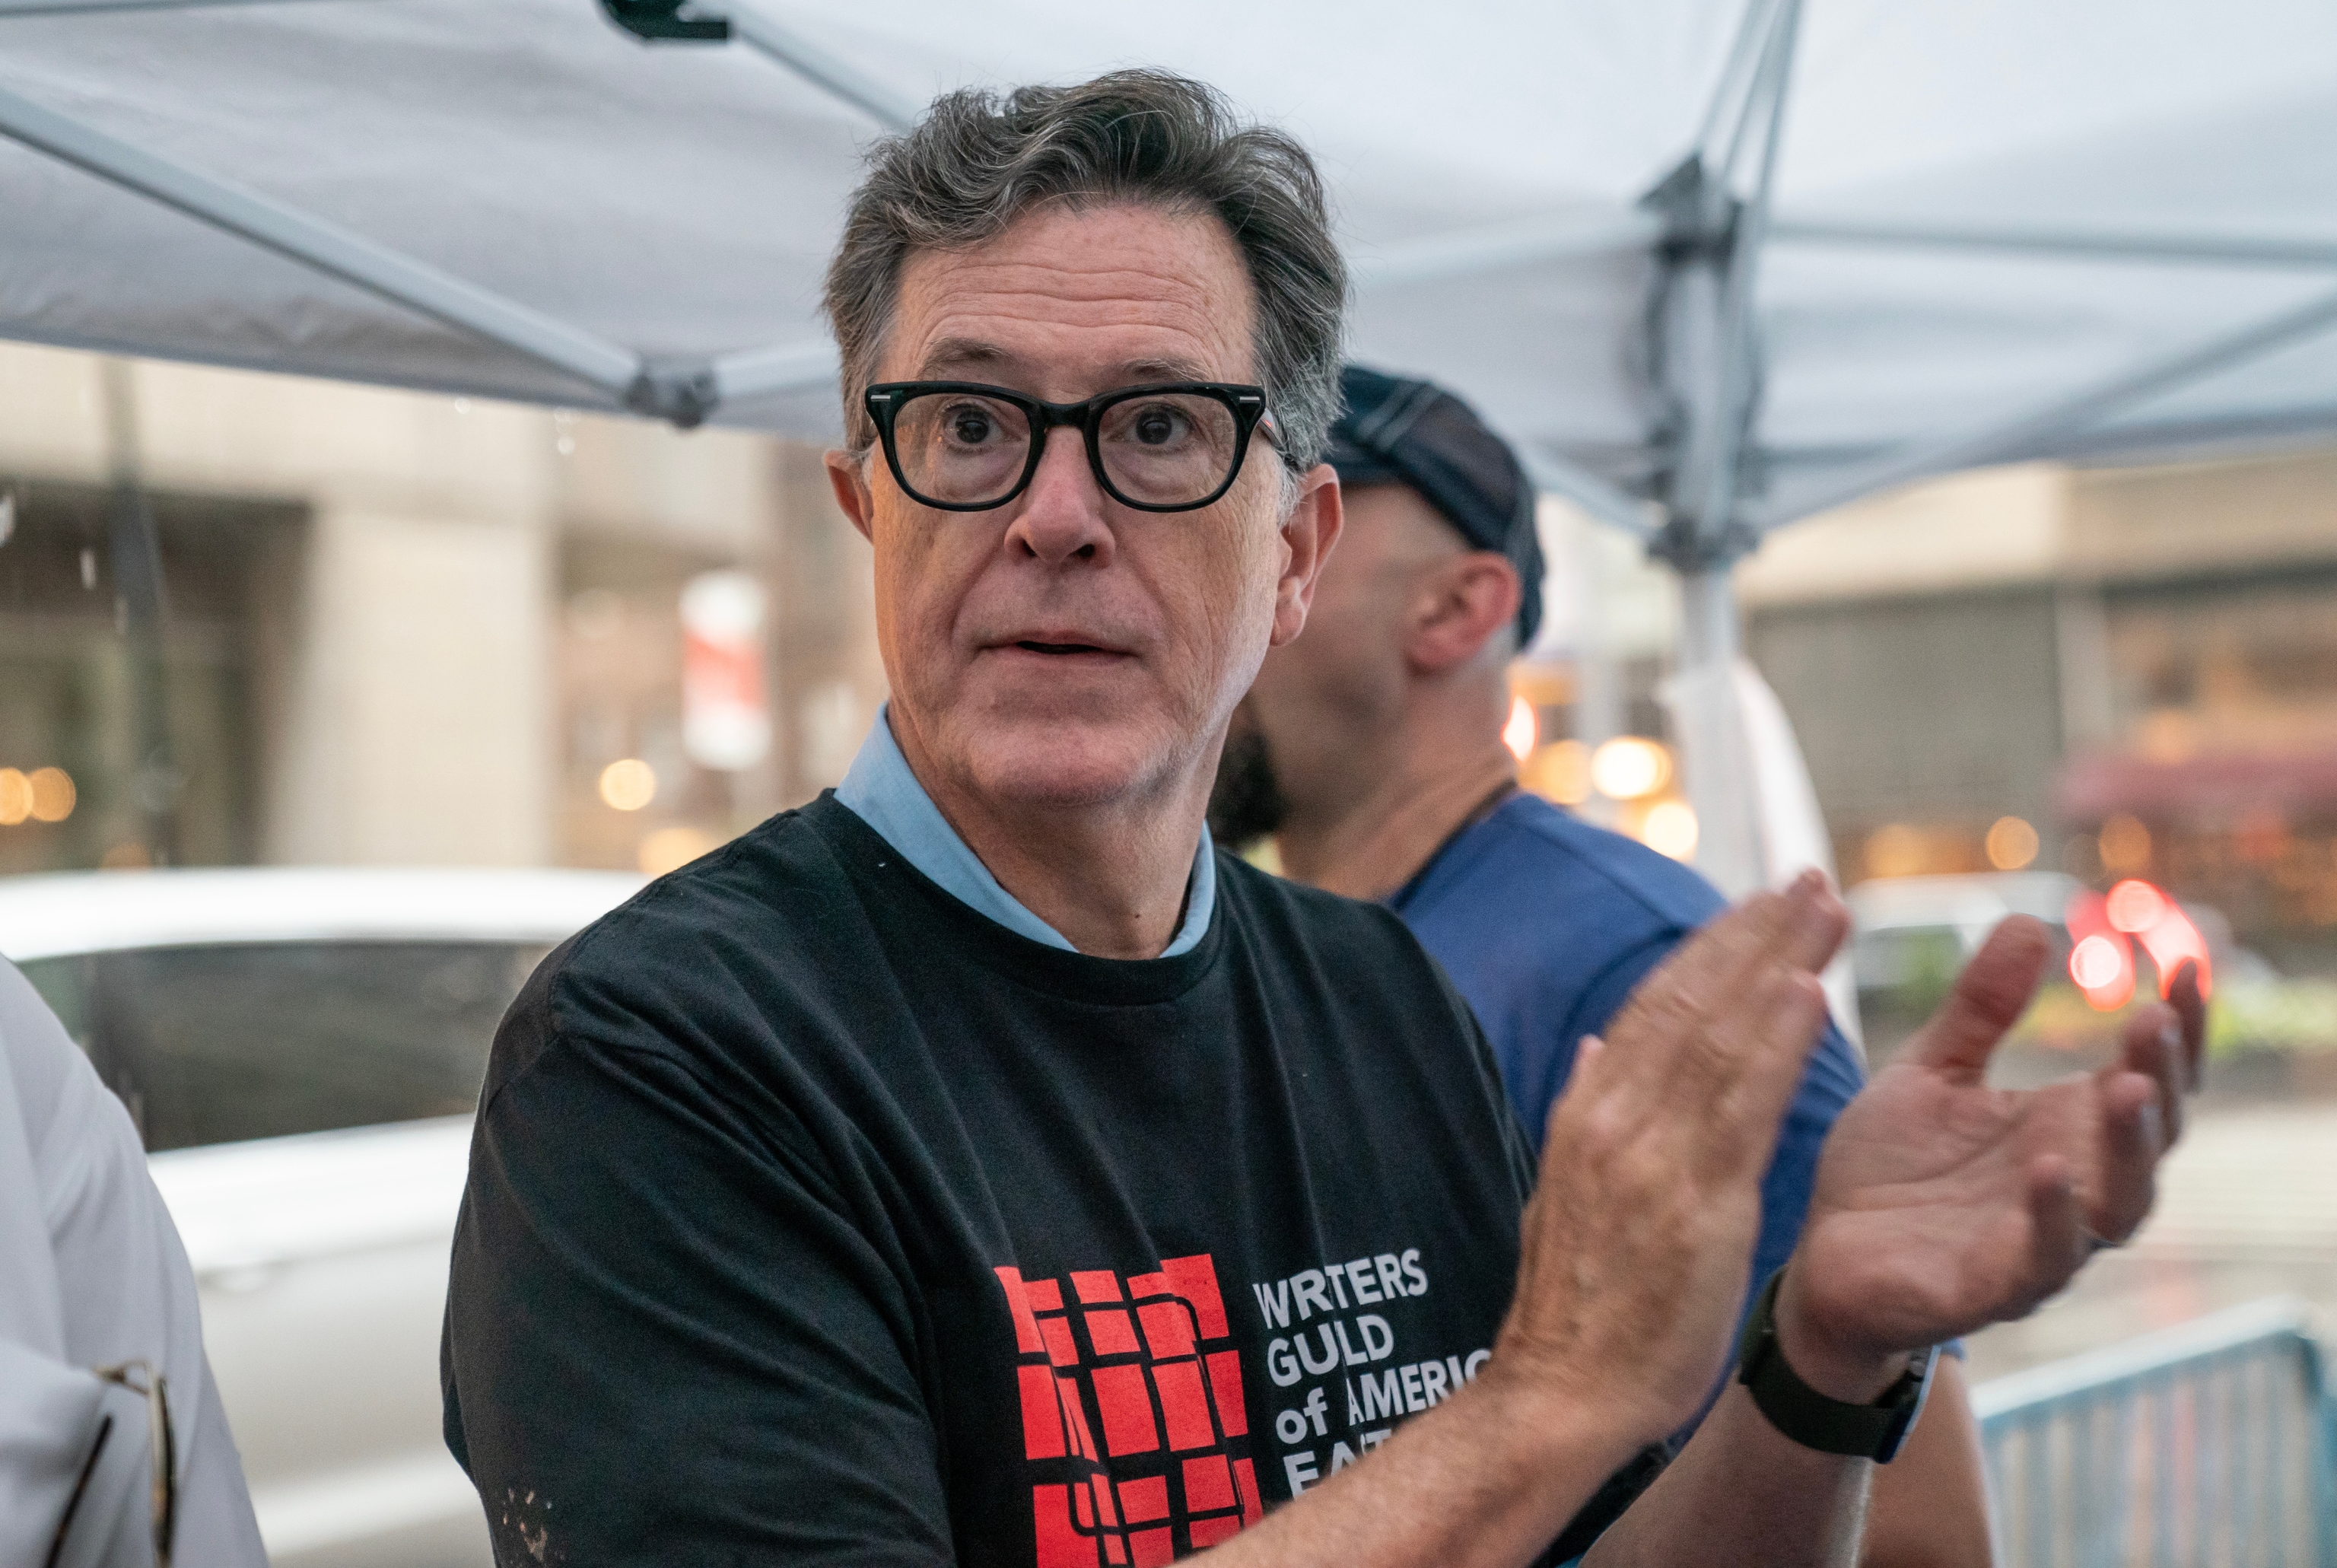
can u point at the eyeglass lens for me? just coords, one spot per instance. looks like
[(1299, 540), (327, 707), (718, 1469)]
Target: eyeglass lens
[(1158, 449)]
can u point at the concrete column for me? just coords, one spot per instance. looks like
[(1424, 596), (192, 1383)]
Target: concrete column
[(830, 675), (416, 726)]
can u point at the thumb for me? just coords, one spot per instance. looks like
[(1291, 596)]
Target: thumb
[(1988, 998)]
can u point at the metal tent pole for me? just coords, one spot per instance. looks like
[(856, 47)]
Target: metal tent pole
[(2105, 244), (1465, 253), (70, 7), (683, 392), (771, 37), (783, 367), (1999, 439), (1708, 357), (327, 247), (1603, 499), (133, 554), (768, 36), (1735, 88), (1713, 754)]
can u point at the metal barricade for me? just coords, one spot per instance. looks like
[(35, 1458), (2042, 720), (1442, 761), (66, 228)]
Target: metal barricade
[(2209, 1445)]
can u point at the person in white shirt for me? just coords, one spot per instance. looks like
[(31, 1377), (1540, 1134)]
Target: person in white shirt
[(97, 1304)]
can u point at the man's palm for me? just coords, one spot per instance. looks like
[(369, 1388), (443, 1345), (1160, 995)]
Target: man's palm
[(1943, 1205)]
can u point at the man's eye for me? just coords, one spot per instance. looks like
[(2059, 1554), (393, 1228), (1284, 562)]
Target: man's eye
[(971, 427), (1158, 427)]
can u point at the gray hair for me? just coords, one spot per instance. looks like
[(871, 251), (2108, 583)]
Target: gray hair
[(977, 162)]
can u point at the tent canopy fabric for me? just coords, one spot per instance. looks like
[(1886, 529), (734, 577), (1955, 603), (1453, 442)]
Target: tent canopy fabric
[(1979, 208), (1715, 264)]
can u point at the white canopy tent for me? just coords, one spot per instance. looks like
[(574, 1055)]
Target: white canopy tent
[(1716, 264)]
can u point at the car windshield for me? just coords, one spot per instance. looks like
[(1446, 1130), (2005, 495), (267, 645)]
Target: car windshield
[(219, 1043)]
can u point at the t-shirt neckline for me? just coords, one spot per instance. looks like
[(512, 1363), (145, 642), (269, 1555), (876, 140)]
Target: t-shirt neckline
[(1071, 976)]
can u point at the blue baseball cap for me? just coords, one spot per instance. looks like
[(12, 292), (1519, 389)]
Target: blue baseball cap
[(1398, 431)]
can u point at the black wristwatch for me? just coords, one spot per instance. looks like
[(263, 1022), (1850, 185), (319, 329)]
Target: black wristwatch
[(1875, 1431)]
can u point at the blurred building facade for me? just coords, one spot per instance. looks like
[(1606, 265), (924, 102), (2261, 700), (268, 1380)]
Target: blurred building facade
[(2114, 673), (406, 629), (401, 629)]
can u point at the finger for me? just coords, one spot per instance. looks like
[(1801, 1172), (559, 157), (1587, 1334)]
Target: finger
[(1819, 922), (2057, 1235), (1787, 1019), (1751, 1050), (1797, 926), (1710, 972), (2151, 1044), (2190, 1005), (2133, 1138), (1988, 997)]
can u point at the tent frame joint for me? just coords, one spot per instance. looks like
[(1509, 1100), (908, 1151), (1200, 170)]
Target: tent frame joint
[(681, 393), (663, 22), (1687, 547), (1700, 218)]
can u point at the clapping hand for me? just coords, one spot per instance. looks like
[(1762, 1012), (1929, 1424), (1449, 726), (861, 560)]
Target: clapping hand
[(1640, 1232), (1943, 1205)]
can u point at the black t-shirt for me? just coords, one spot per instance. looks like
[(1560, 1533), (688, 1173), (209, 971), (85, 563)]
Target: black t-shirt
[(814, 1217)]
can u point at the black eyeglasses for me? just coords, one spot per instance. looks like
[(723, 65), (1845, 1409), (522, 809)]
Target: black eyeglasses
[(962, 447)]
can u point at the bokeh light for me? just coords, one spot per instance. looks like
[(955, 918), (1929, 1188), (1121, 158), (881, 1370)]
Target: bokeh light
[(15, 797), (2011, 844), (670, 849), (1522, 730), (2101, 967), (52, 794), (2135, 906), (1669, 828), (2173, 941), (1630, 768), (1559, 771), (1895, 849), (628, 784)]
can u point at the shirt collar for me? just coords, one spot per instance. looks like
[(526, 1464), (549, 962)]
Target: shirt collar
[(883, 790)]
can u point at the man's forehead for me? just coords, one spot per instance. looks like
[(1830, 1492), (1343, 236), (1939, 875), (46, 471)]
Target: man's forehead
[(1067, 302), (954, 355)]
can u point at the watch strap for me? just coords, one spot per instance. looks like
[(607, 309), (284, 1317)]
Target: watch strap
[(1813, 1419)]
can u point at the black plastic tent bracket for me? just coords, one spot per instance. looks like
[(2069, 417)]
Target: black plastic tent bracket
[(661, 21)]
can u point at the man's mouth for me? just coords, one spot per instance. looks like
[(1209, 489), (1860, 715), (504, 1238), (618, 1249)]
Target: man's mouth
[(1059, 642), (1060, 647)]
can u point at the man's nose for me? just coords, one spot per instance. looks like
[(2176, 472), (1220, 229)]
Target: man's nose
[(1062, 517)]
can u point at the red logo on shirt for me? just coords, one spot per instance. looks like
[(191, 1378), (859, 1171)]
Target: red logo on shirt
[(1126, 1386)]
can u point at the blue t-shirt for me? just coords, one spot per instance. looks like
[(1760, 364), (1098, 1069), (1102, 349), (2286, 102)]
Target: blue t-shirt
[(1546, 924)]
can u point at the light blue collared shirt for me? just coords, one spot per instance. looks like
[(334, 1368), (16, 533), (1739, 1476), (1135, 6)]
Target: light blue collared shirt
[(883, 791)]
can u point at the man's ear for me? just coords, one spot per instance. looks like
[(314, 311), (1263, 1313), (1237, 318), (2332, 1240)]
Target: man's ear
[(1457, 604), (1308, 534), (848, 475)]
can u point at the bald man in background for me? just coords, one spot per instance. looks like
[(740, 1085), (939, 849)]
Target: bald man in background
[(1371, 748)]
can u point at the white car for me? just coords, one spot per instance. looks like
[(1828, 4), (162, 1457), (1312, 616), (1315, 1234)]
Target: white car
[(1907, 928), (302, 1052)]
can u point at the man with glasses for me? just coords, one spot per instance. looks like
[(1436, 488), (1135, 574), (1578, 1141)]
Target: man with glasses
[(975, 1167), (1370, 748)]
